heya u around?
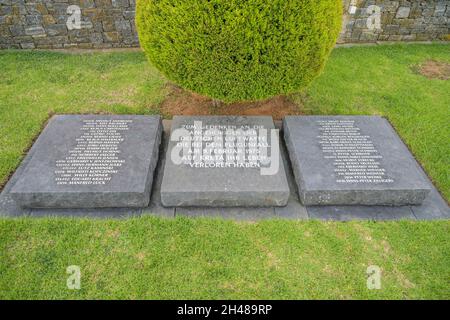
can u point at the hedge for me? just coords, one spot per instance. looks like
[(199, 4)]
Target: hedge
[(234, 50)]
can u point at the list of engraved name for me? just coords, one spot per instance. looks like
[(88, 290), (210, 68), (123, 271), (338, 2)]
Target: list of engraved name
[(95, 157), (354, 156)]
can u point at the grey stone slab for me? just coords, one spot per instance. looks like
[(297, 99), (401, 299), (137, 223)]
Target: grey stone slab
[(91, 161), (232, 213), (352, 160), (18, 171), (214, 182), (155, 207), (433, 208), (9, 208), (294, 209), (347, 213)]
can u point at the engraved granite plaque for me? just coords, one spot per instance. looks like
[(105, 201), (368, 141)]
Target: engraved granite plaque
[(352, 160), (91, 161), (224, 161)]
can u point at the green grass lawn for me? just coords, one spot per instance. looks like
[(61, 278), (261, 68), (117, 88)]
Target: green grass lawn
[(209, 258)]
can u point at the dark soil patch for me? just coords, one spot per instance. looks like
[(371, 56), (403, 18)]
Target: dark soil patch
[(435, 70), (182, 102)]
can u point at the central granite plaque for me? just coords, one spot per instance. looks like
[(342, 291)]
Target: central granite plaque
[(352, 160), (224, 161), (91, 161)]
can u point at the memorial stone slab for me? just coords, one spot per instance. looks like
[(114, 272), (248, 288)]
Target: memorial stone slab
[(224, 161), (91, 161), (352, 160)]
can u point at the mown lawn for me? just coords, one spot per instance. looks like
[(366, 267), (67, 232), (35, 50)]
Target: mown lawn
[(209, 258)]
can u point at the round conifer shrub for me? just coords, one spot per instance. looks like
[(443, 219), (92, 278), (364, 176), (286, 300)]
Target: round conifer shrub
[(235, 50)]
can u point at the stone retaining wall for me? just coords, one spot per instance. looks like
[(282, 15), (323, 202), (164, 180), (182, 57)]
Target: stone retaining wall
[(44, 24), (53, 24), (385, 20)]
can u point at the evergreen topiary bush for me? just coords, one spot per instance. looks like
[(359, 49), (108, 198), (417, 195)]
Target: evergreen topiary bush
[(235, 50)]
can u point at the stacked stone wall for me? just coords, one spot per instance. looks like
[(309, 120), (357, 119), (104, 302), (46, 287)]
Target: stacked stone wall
[(56, 24)]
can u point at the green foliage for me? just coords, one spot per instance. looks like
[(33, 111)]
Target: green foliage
[(239, 50)]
